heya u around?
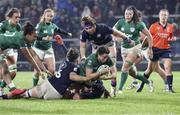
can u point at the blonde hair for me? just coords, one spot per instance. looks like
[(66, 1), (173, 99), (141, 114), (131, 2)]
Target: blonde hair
[(42, 19), (164, 10)]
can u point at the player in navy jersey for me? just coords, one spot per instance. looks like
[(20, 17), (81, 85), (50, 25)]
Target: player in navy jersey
[(100, 35), (55, 86)]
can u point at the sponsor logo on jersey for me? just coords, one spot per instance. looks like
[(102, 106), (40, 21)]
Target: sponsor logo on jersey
[(45, 31)]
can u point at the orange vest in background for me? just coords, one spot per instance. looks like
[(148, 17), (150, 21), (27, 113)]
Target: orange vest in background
[(161, 35)]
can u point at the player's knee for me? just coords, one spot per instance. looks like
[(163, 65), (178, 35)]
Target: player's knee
[(127, 65), (12, 68)]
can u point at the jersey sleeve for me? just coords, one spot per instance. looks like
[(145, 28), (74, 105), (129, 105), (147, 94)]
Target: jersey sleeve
[(83, 36), (58, 30), (38, 30), (117, 25), (107, 29), (2, 29), (152, 29), (89, 63), (141, 26)]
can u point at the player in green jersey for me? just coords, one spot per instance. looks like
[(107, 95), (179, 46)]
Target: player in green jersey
[(132, 27), (46, 29), (100, 35), (11, 24), (19, 40), (94, 61)]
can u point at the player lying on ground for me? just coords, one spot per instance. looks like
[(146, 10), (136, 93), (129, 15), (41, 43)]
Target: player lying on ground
[(55, 86)]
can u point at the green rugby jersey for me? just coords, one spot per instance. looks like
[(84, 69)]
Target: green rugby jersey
[(13, 40), (6, 26), (44, 30), (131, 30), (93, 63)]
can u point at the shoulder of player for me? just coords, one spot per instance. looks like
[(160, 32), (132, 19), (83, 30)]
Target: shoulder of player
[(154, 25), (91, 57), (4, 23), (170, 25), (101, 25)]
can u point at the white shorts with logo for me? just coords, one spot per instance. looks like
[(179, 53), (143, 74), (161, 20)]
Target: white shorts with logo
[(46, 91), (11, 52), (43, 54), (135, 50)]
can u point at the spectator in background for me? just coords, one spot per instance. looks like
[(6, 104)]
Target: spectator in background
[(96, 13), (86, 12), (111, 20)]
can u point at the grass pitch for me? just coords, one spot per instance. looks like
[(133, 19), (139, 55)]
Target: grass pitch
[(130, 102)]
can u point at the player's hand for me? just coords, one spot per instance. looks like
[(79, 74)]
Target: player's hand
[(150, 53), (83, 59), (49, 73), (59, 39), (43, 75), (132, 43), (129, 41)]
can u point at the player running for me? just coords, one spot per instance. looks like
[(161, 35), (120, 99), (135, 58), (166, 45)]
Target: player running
[(132, 27)]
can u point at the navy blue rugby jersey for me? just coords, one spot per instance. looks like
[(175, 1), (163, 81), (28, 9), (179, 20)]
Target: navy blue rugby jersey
[(100, 37), (62, 81)]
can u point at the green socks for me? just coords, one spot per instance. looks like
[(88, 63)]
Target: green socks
[(142, 78), (124, 76), (2, 84), (35, 81)]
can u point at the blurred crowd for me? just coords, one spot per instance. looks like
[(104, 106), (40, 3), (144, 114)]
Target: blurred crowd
[(69, 12)]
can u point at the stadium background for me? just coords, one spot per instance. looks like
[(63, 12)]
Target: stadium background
[(69, 12)]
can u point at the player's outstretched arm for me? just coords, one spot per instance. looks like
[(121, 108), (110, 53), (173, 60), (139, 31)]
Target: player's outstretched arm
[(32, 57)]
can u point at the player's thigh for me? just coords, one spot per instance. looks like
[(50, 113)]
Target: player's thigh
[(46, 90), (39, 52), (50, 60), (11, 55)]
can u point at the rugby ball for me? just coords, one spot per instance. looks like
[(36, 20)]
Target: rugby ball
[(104, 76)]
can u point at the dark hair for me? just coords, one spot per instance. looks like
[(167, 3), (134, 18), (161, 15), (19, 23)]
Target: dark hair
[(28, 28), (87, 20), (135, 17), (72, 54), (103, 50), (11, 12)]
